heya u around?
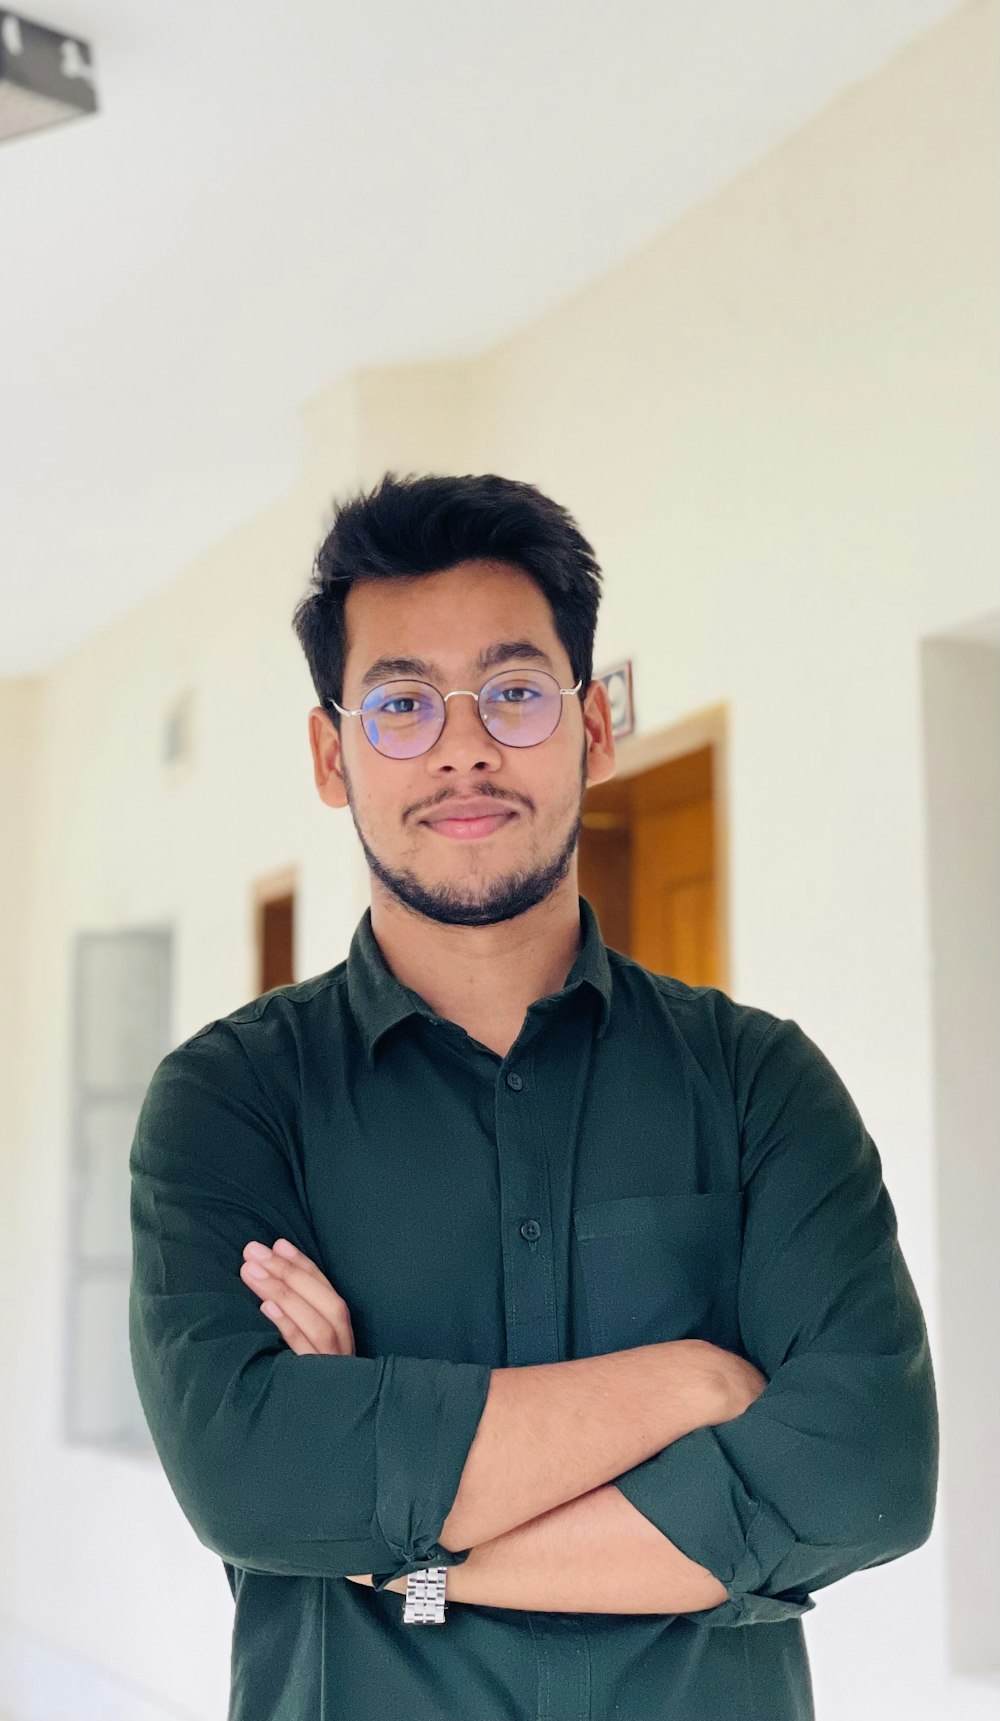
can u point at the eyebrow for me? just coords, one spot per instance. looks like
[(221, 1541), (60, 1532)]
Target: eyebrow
[(501, 651)]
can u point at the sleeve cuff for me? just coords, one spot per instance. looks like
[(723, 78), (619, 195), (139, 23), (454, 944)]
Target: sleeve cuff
[(426, 1421), (692, 1493)]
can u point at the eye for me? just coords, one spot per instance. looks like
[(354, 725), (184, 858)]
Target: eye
[(530, 692), (412, 704)]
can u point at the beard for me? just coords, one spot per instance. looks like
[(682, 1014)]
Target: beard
[(486, 904)]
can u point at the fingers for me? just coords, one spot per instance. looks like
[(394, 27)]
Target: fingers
[(290, 1253), (315, 1326), (302, 1292), (295, 1340), (294, 1308)]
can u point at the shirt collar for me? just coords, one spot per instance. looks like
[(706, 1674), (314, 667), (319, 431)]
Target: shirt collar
[(378, 1000)]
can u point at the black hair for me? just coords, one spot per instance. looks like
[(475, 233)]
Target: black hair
[(427, 524)]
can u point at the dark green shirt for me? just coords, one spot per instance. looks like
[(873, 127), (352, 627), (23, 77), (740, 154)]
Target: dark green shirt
[(650, 1161)]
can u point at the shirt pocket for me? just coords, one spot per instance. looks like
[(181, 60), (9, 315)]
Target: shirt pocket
[(659, 1267)]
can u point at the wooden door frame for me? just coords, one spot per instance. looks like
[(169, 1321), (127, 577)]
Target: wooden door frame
[(270, 888), (706, 728)]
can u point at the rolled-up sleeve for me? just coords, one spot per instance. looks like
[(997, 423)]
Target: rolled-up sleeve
[(834, 1467), (324, 1466)]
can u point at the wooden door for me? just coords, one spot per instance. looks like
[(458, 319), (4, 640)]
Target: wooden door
[(673, 893), (649, 863)]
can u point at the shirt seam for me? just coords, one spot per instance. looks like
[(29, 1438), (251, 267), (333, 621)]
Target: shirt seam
[(255, 1008)]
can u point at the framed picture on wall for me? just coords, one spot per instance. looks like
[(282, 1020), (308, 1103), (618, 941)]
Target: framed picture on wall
[(618, 681)]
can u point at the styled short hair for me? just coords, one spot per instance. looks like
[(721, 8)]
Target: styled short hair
[(426, 524)]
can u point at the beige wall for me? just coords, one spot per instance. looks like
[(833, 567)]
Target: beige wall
[(778, 425)]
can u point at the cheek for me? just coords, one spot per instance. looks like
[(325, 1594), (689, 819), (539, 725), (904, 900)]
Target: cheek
[(377, 791)]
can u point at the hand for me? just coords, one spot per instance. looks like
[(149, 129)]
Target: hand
[(310, 1315), (743, 1383), (724, 1384)]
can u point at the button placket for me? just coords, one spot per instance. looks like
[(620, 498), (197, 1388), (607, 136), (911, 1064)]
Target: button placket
[(526, 1225), (530, 1230)]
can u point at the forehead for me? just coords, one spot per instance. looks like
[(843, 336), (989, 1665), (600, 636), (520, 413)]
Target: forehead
[(448, 616)]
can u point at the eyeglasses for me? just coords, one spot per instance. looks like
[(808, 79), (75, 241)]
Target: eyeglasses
[(403, 719)]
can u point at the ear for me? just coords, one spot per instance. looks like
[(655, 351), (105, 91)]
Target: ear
[(598, 724), (326, 752)]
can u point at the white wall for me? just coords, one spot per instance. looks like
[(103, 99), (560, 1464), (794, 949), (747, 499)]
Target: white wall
[(777, 423), (20, 699), (962, 727)]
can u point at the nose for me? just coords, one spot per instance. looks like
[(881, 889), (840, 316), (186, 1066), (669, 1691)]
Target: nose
[(464, 742)]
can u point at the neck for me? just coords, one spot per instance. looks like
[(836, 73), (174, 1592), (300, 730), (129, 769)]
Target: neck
[(482, 977)]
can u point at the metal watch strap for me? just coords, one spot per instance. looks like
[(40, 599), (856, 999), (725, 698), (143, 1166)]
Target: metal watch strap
[(424, 1601)]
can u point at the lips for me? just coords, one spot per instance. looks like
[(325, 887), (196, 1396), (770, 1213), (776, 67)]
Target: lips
[(469, 810), (471, 819)]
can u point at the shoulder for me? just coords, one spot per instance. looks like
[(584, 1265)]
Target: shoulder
[(707, 1019), (758, 1057), (773, 1070), (261, 1048), (280, 1004)]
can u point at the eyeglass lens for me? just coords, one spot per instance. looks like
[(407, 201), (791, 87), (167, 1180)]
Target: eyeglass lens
[(404, 718)]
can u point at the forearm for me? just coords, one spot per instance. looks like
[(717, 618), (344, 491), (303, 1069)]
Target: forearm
[(594, 1554), (552, 1432)]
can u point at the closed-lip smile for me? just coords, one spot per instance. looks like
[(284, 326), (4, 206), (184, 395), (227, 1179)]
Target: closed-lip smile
[(470, 818)]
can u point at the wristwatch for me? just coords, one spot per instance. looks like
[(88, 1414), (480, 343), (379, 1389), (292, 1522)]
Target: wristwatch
[(424, 1601)]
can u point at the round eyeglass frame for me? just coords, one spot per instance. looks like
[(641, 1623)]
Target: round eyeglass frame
[(414, 681)]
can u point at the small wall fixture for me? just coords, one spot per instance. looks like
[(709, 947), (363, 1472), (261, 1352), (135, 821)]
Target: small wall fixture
[(45, 77)]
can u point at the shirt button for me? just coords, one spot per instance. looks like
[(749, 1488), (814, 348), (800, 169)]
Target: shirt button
[(514, 1081), (531, 1229)]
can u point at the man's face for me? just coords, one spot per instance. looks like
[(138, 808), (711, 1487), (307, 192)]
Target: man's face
[(445, 620)]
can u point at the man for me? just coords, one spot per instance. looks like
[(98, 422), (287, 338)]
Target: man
[(488, 1262)]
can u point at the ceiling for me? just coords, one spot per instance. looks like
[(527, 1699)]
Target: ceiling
[(273, 194)]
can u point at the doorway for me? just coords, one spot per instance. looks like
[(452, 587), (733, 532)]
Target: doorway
[(274, 931), (652, 858)]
